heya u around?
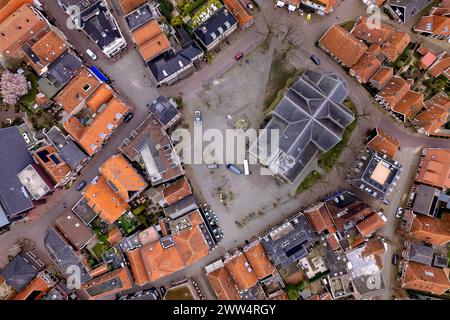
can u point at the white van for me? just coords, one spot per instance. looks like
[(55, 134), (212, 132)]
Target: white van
[(91, 54)]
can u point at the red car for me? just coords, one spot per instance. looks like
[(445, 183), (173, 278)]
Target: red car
[(239, 56)]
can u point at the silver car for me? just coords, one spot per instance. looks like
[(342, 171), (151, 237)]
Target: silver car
[(197, 116)]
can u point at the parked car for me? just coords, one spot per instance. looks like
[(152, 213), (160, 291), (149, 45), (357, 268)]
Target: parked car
[(128, 116), (197, 116), (91, 54), (315, 59), (239, 56), (399, 213), (26, 138), (394, 259), (213, 166), (81, 185), (234, 169)]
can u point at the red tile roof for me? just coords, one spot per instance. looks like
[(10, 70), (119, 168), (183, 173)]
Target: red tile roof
[(441, 66), (384, 143), (137, 267), (434, 24), (394, 91), (259, 261), (367, 65), (342, 45), (382, 77), (370, 224), (426, 279), (410, 104), (319, 218), (92, 287), (177, 191), (435, 115), (435, 170), (430, 230), (241, 271), (223, 285), (363, 31), (394, 46), (243, 17)]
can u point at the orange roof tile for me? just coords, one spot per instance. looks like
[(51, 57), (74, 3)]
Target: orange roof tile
[(374, 246), (191, 244), (363, 31), (441, 66), (137, 267), (75, 93), (19, 28), (95, 291), (394, 91), (48, 47), (243, 17), (101, 96), (122, 177), (36, 285), (131, 5), (115, 236), (7, 7), (241, 272), (103, 200), (223, 285), (333, 241), (435, 169), (370, 224), (102, 269), (342, 45), (384, 143), (92, 136), (395, 45), (366, 67), (151, 40), (430, 230), (428, 59), (59, 170), (319, 218), (410, 104), (427, 279), (259, 261), (434, 24), (435, 115), (160, 262), (382, 76), (177, 191)]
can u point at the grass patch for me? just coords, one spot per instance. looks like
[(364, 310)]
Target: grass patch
[(328, 160), (281, 76), (309, 181), (127, 223), (437, 85), (348, 25), (293, 290), (101, 246)]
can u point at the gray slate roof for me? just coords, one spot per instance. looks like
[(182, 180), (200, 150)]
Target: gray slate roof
[(421, 253), (407, 8), (425, 200), (164, 110), (14, 157), (219, 22), (63, 69), (139, 17), (63, 254), (18, 273), (182, 207), (311, 117), (290, 242), (67, 148)]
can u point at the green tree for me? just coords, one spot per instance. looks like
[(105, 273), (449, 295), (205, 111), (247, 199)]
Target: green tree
[(176, 21)]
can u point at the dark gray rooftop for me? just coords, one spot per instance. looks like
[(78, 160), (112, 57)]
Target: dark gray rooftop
[(14, 157), (3, 218), (420, 253), (219, 22), (139, 17), (310, 118), (164, 110), (182, 207), (440, 262), (84, 211), (68, 150), (105, 286), (169, 63), (19, 272), (425, 200), (99, 24), (289, 242), (82, 4), (63, 69), (369, 286), (361, 176), (406, 9), (63, 254)]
